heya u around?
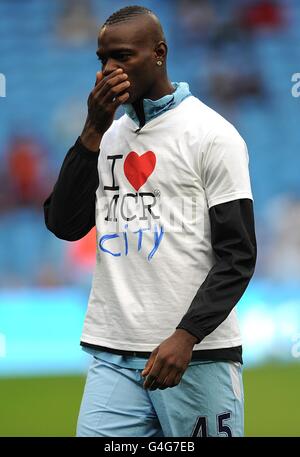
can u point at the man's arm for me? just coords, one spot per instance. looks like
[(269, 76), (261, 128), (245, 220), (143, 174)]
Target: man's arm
[(70, 209), (234, 245)]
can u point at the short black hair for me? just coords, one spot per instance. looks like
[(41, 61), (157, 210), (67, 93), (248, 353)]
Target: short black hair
[(131, 12), (127, 13)]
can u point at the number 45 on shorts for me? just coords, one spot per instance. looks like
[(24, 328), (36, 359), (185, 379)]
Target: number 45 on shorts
[(201, 427)]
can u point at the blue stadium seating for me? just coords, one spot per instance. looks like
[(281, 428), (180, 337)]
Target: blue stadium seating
[(43, 73)]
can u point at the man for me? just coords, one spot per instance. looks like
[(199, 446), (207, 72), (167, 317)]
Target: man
[(170, 195)]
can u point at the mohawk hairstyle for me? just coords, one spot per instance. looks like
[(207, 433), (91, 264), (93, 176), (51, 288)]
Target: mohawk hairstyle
[(130, 12), (126, 13)]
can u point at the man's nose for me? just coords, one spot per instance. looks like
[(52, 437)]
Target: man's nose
[(109, 67)]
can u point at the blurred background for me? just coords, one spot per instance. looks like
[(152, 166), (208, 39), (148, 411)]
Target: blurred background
[(239, 57)]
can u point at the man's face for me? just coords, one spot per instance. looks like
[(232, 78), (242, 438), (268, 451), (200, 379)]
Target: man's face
[(127, 46)]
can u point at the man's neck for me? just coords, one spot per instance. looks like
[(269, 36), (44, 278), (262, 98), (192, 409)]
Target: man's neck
[(165, 89)]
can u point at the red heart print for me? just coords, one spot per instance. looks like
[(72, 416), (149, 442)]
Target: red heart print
[(137, 168)]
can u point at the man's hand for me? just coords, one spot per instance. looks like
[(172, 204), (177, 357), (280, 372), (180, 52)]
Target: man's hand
[(108, 94), (169, 360)]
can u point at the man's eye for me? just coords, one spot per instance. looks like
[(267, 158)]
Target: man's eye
[(123, 56)]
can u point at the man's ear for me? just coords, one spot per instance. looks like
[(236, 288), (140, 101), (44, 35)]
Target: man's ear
[(161, 50)]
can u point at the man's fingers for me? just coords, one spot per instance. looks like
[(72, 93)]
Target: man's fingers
[(112, 88), (159, 381), (174, 379), (165, 384), (110, 91), (161, 375), (154, 374), (150, 381), (99, 76), (177, 379), (108, 81), (167, 378), (114, 92), (122, 99), (150, 362), (148, 366)]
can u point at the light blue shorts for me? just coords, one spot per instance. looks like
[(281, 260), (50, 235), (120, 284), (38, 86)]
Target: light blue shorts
[(208, 401)]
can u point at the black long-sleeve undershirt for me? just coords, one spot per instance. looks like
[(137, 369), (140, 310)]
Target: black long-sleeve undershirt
[(70, 215), (70, 208), (234, 246)]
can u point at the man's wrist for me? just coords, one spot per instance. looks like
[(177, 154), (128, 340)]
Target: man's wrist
[(187, 336), (90, 138)]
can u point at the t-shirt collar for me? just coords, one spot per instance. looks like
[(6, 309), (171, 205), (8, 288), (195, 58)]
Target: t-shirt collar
[(153, 108)]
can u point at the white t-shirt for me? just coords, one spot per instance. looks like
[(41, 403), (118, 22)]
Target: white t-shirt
[(153, 228)]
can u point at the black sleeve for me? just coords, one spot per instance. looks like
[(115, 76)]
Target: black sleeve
[(234, 245), (70, 209)]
